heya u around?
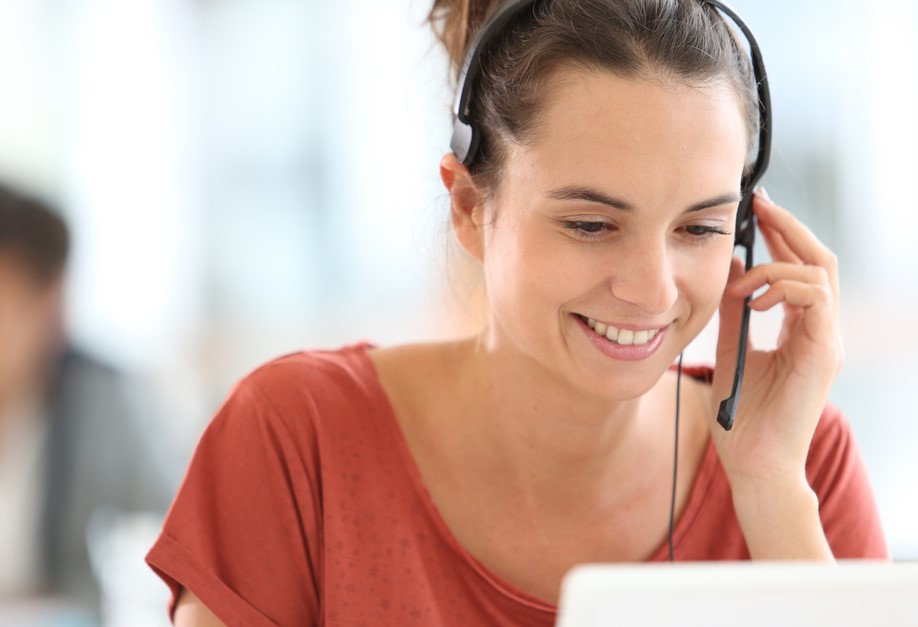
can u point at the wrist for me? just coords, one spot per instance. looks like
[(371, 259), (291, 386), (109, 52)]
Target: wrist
[(780, 519), (765, 490)]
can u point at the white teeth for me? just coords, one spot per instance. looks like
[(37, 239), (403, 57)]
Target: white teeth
[(625, 337)]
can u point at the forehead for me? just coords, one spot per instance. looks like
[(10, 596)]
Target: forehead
[(598, 128)]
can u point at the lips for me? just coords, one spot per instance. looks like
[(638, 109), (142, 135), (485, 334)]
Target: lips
[(622, 343)]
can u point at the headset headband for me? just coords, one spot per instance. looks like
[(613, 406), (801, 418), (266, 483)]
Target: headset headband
[(466, 137)]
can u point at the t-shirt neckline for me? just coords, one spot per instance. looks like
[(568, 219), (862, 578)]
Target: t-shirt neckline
[(693, 506)]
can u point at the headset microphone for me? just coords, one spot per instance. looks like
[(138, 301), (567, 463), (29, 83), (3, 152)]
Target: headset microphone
[(745, 219)]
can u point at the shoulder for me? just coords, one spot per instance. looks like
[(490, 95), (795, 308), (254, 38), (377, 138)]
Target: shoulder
[(833, 448), (302, 392), (92, 400), (332, 374), (77, 369), (833, 425)]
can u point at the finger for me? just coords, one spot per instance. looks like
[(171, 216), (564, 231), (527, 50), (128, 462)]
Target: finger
[(817, 321), (770, 273), (786, 232), (777, 247), (795, 293), (799, 239)]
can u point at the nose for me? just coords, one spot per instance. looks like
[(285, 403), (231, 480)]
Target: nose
[(646, 278)]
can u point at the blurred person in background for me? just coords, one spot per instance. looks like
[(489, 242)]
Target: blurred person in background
[(72, 439)]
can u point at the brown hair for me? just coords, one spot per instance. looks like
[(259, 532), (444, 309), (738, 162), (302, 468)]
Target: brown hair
[(669, 40), (33, 235)]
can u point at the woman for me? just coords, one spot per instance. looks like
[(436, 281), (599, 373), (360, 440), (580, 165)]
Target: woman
[(455, 483)]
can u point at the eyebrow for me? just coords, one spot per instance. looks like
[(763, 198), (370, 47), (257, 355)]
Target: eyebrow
[(588, 194)]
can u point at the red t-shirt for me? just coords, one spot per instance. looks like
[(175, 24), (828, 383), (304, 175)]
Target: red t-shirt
[(303, 506)]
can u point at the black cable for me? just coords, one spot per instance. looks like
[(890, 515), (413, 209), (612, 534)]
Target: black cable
[(672, 502)]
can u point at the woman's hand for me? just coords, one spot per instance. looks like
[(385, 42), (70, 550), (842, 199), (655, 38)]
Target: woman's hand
[(784, 390)]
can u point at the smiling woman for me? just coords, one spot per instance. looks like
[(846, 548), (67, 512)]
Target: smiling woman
[(456, 483)]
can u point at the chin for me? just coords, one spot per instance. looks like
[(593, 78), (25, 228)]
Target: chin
[(631, 382)]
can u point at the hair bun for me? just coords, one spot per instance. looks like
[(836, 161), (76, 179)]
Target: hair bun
[(455, 23)]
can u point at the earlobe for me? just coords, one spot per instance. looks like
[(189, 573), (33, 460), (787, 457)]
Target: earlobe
[(466, 204)]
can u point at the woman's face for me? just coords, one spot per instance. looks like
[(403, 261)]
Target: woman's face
[(621, 212)]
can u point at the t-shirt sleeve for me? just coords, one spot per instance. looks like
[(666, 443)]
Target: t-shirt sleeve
[(847, 508), (242, 532)]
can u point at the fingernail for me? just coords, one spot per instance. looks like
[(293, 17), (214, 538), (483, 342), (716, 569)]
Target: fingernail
[(763, 194)]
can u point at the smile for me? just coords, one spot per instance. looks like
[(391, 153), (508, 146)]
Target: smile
[(623, 337)]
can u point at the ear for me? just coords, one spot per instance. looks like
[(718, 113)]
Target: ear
[(466, 205)]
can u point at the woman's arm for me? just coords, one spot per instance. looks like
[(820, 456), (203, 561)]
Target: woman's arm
[(190, 612)]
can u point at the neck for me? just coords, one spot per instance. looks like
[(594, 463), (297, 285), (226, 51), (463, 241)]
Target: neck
[(554, 444)]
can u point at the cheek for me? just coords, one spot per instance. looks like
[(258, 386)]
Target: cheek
[(511, 269), (530, 273), (20, 335), (704, 285)]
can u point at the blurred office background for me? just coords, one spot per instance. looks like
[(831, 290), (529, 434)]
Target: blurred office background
[(245, 178)]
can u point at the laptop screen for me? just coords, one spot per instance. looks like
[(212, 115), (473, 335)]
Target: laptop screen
[(741, 594)]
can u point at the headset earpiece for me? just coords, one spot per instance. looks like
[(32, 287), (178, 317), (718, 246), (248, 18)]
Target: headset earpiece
[(466, 138), (464, 142)]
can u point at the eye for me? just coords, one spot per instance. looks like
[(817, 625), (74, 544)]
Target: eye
[(587, 229), (703, 232)]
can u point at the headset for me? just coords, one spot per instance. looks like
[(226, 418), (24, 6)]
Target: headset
[(466, 139)]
